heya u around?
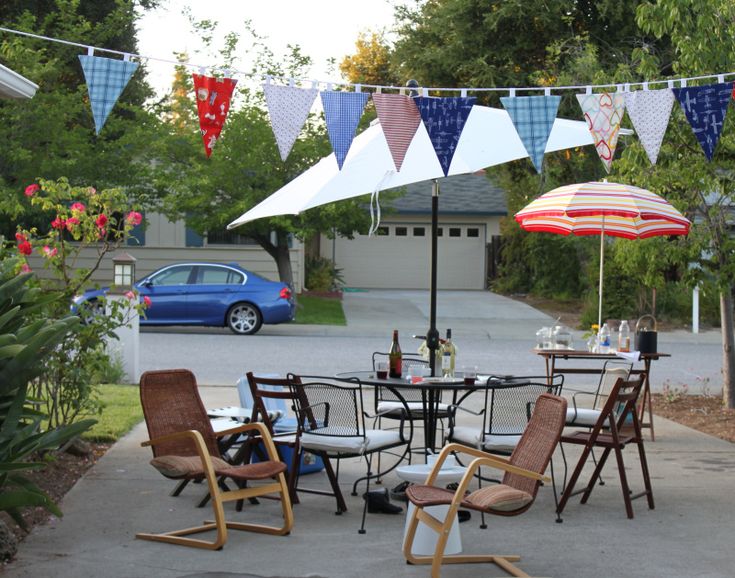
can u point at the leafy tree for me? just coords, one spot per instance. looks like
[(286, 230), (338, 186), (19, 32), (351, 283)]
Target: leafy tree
[(371, 63), (52, 134)]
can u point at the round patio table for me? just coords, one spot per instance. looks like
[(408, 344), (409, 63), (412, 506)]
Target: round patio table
[(431, 389)]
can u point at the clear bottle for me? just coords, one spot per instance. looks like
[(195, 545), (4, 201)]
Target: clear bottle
[(395, 357), (624, 336), (449, 353), (604, 339)]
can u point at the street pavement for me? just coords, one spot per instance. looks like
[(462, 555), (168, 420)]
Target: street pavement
[(689, 533)]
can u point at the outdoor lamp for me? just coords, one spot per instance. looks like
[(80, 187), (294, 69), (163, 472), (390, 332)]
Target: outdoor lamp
[(123, 272)]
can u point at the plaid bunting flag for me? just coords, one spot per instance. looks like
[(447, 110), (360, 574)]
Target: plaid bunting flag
[(106, 78), (444, 119), (288, 107), (213, 97), (399, 119), (342, 111), (705, 108), (650, 110), (604, 113), (533, 118)]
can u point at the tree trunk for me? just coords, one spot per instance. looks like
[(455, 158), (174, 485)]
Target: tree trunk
[(280, 253), (728, 354)]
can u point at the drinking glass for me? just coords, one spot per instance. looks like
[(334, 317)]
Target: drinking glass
[(470, 374), (381, 369)]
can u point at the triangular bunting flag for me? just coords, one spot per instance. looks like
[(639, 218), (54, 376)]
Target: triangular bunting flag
[(533, 117), (444, 119), (399, 119), (705, 108), (213, 103), (604, 113), (342, 111), (650, 110), (106, 78), (288, 107)]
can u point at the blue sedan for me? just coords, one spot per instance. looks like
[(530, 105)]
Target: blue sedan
[(210, 294)]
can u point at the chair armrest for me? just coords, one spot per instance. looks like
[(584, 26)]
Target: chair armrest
[(574, 397)]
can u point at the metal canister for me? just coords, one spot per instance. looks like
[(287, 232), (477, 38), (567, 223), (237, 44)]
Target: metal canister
[(646, 335)]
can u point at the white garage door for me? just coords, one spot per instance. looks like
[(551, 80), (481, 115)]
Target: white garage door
[(398, 257)]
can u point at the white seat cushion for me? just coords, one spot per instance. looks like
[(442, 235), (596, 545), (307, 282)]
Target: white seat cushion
[(471, 436), (582, 417), (374, 439), (413, 406)]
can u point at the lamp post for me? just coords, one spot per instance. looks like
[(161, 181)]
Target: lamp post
[(127, 345)]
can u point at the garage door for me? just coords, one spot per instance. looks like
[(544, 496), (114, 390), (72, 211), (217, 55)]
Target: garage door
[(398, 257)]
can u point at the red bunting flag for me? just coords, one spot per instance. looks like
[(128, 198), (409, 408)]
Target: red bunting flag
[(213, 102)]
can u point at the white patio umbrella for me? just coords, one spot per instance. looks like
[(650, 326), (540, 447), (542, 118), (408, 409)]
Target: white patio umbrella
[(488, 138)]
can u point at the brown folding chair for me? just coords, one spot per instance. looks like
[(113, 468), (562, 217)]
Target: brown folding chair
[(185, 447), (515, 494), (617, 426), (263, 388)]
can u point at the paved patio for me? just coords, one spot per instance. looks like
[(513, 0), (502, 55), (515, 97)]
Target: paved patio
[(688, 534)]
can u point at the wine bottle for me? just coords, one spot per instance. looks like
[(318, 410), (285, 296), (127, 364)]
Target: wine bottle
[(448, 356), (395, 358)]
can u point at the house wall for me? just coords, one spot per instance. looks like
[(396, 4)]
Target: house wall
[(403, 262), (165, 243)]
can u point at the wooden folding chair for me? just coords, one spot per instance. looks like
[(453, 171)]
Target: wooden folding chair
[(617, 426), (185, 447)]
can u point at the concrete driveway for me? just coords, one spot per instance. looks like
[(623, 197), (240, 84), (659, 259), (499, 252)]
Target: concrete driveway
[(492, 332)]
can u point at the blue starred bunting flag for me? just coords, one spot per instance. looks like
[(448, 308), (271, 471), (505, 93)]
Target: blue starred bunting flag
[(106, 78), (444, 119), (342, 111), (533, 118)]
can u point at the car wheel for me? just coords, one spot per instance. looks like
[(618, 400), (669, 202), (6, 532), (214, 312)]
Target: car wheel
[(244, 319)]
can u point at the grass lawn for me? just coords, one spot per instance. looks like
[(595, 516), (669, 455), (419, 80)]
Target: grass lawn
[(120, 413), (319, 310)]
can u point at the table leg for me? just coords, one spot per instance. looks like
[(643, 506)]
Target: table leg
[(430, 402), (646, 402)]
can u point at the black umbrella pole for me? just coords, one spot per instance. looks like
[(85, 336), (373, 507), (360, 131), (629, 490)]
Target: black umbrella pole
[(432, 337)]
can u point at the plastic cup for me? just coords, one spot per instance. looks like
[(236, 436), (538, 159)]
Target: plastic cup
[(381, 369), (470, 374)]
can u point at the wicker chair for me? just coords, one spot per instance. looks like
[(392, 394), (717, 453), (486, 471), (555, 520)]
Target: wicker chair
[(185, 447), (523, 475)]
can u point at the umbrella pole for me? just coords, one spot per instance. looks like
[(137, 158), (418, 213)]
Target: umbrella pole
[(432, 336), (602, 268)]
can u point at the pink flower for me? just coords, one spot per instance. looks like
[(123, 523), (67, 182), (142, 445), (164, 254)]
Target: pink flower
[(134, 218), (49, 252), (31, 190), (71, 222), (25, 268), (78, 208), (92, 191), (58, 223), (20, 237), (25, 248), (147, 301), (101, 221), (130, 295)]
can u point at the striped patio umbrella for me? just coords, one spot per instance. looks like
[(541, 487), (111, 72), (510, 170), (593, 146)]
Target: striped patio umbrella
[(606, 209)]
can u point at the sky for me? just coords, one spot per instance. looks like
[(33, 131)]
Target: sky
[(323, 29)]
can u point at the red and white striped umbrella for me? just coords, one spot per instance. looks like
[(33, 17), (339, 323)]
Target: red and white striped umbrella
[(606, 209)]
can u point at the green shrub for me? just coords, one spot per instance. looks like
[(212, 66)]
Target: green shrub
[(322, 275)]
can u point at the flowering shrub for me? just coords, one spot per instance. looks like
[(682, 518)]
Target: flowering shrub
[(79, 219)]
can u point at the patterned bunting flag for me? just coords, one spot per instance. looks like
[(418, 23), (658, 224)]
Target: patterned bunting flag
[(288, 107), (650, 110), (444, 119), (533, 117), (106, 78), (399, 119), (604, 113), (705, 108), (213, 103), (342, 111)]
